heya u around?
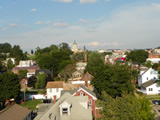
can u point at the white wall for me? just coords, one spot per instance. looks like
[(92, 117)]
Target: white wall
[(155, 89), (151, 74), (53, 92), (154, 60)]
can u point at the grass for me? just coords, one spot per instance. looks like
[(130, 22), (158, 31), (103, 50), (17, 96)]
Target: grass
[(153, 97), (31, 104)]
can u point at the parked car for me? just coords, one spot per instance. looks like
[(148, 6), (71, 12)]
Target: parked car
[(157, 102)]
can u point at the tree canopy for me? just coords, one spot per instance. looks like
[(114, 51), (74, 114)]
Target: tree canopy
[(114, 80), (138, 56), (41, 80), (22, 73), (9, 86), (127, 107)]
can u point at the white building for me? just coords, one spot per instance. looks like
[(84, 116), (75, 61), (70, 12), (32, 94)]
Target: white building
[(146, 75), (54, 89), (153, 60)]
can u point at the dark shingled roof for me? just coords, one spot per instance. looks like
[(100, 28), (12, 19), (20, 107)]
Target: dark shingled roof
[(14, 112), (148, 83)]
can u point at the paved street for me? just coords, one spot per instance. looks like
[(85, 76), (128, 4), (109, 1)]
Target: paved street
[(156, 108)]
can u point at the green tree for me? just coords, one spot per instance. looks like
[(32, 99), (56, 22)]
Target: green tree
[(17, 53), (114, 80), (22, 73), (9, 86), (127, 107), (95, 63), (155, 66), (138, 56), (148, 64), (66, 73), (10, 65), (5, 48), (41, 81), (78, 57)]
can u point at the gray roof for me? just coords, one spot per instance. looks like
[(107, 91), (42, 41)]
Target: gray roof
[(77, 111), (148, 83), (44, 107), (73, 91), (69, 91), (88, 90), (14, 112)]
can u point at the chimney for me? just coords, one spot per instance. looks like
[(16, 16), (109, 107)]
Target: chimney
[(86, 84), (54, 99)]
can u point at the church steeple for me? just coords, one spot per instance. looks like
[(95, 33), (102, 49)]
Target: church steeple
[(75, 47)]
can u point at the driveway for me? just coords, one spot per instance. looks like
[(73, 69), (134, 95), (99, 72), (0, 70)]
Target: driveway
[(156, 108)]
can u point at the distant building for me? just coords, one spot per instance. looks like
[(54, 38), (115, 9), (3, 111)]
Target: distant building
[(75, 47)]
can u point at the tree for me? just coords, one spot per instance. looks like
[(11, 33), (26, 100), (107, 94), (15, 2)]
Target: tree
[(10, 65), (78, 57), (114, 80), (9, 86), (155, 66), (149, 64), (95, 63), (66, 73), (17, 53), (41, 81), (5, 48), (32, 52), (138, 56), (22, 73), (127, 107)]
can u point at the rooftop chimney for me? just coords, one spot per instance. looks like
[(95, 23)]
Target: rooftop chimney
[(86, 84), (54, 99)]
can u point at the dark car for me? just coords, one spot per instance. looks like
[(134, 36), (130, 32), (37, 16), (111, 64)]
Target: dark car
[(157, 102)]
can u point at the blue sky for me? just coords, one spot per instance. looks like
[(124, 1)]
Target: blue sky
[(97, 24)]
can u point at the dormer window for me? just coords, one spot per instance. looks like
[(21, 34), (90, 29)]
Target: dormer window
[(64, 111), (81, 93)]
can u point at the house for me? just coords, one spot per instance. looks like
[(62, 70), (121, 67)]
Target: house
[(81, 65), (15, 112), (67, 107), (54, 89), (31, 69), (146, 75), (84, 91), (12, 59), (77, 75), (85, 79), (111, 59), (151, 87), (26, 63)]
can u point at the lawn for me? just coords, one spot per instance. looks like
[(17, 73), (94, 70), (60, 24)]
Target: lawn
[(31, 104), (153, 97)]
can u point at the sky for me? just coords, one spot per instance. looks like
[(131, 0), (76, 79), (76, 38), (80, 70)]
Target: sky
[(95, 24)]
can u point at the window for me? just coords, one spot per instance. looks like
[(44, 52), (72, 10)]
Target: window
[(150, 89), (64, 111), (81, 93), (57, 89), (50, 90), (90, 102), (147, 78)]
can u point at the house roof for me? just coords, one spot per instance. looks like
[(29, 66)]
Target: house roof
[(47, 71), (87, 76), (55, 84), (14, 112), (28, 68), (77, 112), (75, 90), (148, 83)]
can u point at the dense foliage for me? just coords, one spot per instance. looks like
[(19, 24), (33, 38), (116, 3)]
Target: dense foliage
[(114, 80), (54, 57), (41, 81), (9, 86), (22, 73), (138, 56), (127, 107)]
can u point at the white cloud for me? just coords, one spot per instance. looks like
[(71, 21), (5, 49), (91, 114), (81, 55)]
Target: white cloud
[(61, 25), (88, 1), (38, 23), (83, 21), (129, 27), (5, 28), (94, 44), (64, 1), (33, 10), (13, 25)]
